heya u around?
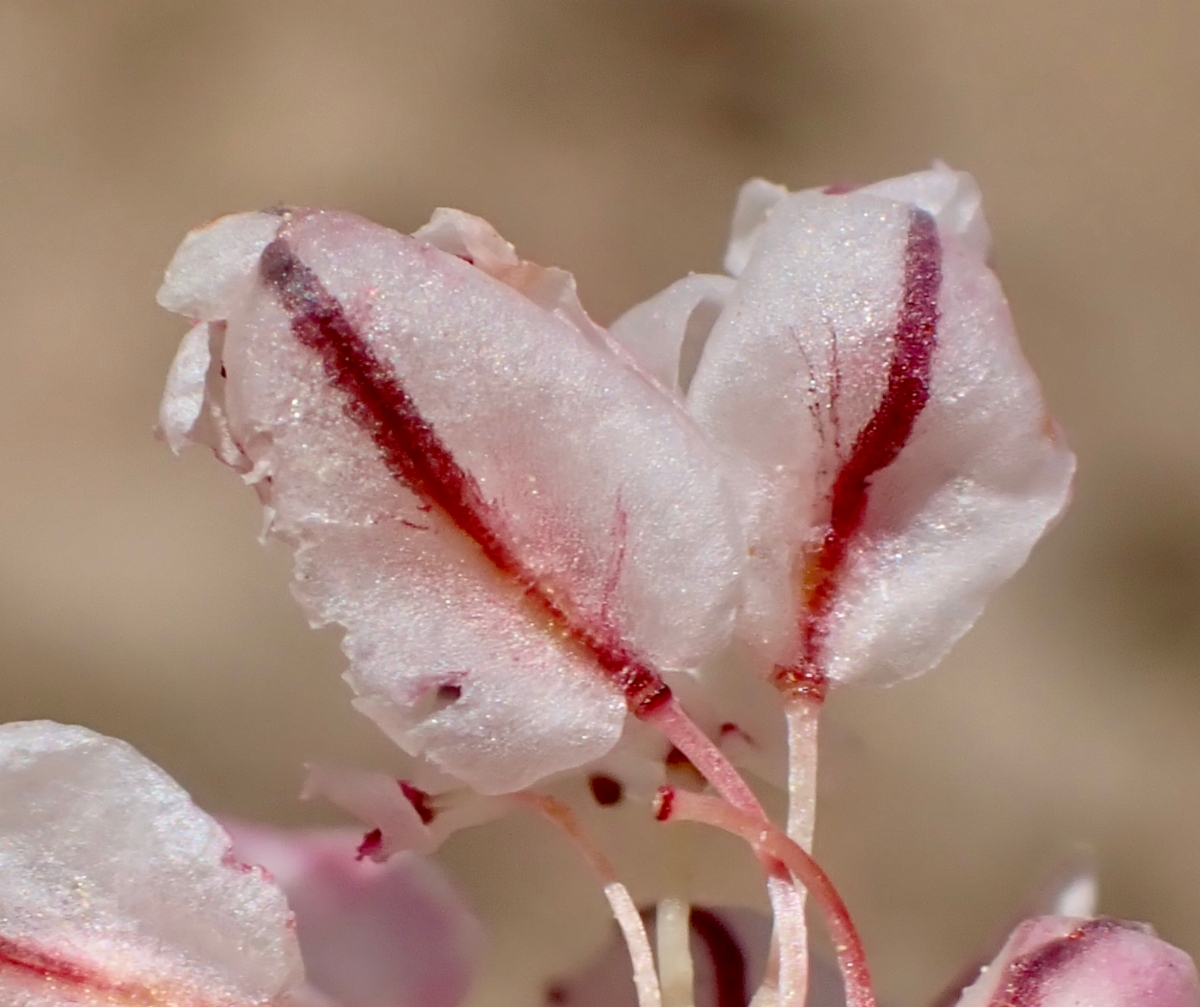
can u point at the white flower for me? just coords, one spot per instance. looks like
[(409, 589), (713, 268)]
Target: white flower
[(116, 890)]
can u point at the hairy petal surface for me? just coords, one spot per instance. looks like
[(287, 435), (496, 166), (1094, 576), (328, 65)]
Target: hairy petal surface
[(116, 890), (518, 530), (1062, 961), (866, 367), (394, 935)]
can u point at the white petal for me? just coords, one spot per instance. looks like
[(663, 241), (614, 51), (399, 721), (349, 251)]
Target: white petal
[(755, 200), (667, 333), (807, 374), (213, 262), (183, 400), (398, 935), (953, 197), (475, 241), (116, 889), (494, 506)]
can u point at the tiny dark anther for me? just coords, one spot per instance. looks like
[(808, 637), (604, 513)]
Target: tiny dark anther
[(605, 790), (371, 844), (420, 801)]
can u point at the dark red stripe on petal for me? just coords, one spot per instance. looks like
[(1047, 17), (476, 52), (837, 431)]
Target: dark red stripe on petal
[(887, 431), (1026, 977), (26, 964), (415, 454), (379, 403), (728, 961)]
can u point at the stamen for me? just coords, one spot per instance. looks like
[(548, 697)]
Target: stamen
[(629, 920), (768, 841), (673, 933)]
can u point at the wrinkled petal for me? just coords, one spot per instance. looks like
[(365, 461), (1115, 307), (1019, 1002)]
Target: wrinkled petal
[(116, 889), (497, 509), (1061, 961), (397, 935), (667, 333), (867, 370)]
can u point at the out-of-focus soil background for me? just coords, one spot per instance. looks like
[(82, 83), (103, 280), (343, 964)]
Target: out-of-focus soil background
[(609, 136)]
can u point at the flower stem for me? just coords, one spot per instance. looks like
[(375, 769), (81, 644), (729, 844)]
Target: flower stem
[(802, 713), (673, 933), (633, 929), (682, 805), (786, 902)]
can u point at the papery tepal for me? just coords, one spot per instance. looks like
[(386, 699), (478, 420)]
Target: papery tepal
[(839, 449), (115, 889), (497, 506), (860, 365)]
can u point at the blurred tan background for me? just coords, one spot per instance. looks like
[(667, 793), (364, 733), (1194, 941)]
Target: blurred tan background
[(609, 136)]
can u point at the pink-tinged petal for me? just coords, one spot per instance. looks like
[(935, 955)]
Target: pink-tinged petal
[(867, 368), (116, 890), (394, 935), (518, 531), (667, 333), (1061, 961)]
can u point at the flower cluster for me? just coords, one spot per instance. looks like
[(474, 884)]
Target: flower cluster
[(560, 549)]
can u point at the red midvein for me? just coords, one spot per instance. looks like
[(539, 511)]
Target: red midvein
[(35, 965), (880, 441), (416, 456)]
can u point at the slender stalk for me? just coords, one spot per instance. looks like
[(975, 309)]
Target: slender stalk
[(673, 936), (645, 978), (801, 713), (709, 760), (768, 841), (629, 920), (787, 903)]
